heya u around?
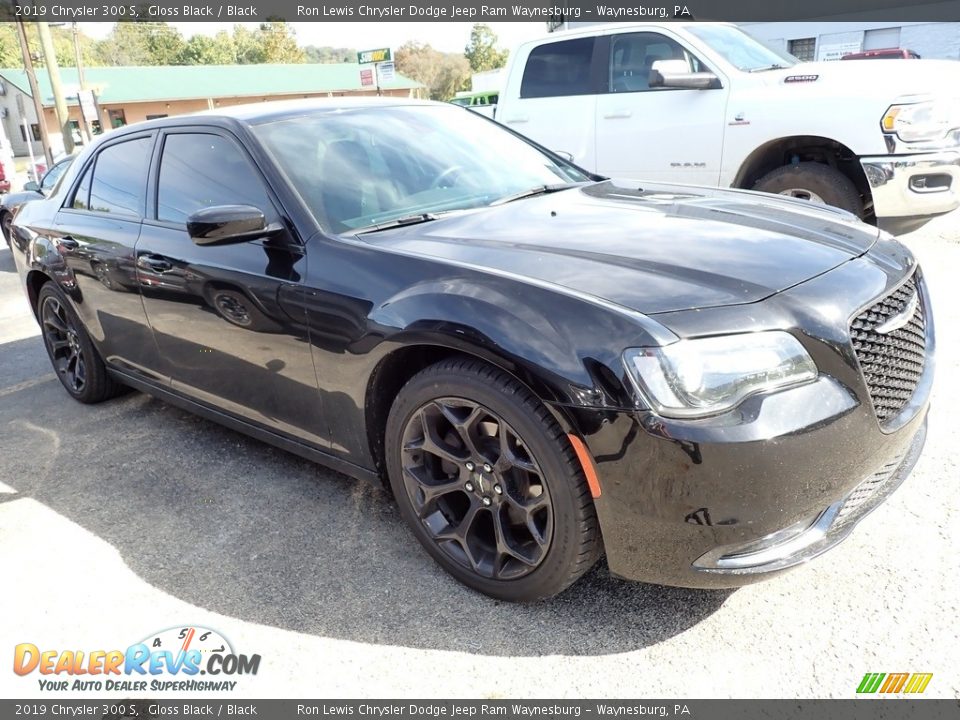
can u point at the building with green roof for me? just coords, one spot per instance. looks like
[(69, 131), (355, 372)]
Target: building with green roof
[(129, 94)]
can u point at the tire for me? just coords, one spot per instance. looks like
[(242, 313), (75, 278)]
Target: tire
[(6, 218), (822, 181), (502, 550), (74, 358)]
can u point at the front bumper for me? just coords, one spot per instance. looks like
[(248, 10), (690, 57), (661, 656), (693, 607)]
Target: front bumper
[(913, 186), (731, 499)]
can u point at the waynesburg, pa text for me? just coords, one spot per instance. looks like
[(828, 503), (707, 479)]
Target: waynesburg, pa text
[(484, 12)]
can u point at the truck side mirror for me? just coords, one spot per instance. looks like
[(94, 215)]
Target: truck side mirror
[(676, 74)]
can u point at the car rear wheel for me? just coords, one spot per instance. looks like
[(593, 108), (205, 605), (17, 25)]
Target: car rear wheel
[(814, 182), (74, 358), (489, 483)]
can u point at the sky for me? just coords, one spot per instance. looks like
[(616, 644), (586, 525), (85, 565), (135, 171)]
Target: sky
[(445, 36)]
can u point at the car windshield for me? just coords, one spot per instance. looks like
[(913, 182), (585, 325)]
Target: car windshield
[(361, 167), (740, 50)]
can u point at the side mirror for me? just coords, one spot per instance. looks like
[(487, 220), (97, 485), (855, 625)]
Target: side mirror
[(676, 74), (32, 186), (224, 224)]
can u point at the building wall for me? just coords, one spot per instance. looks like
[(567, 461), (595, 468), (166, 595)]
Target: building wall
[(11, 121)]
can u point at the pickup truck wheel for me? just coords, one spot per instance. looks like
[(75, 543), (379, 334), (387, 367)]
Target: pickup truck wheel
[(489, 483), (814, 182)]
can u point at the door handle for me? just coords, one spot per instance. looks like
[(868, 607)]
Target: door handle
[(621, 113), (68, 242), (516, 119), (156, 263)]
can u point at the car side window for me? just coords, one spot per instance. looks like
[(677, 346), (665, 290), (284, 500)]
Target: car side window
[(81, 198), (50, 179), (558, 69), (119, 184), (199, 170), (632, 56)]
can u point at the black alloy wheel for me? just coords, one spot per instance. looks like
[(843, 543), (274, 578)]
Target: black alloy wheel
[(476, 488), (63, 345), (489, 483), (74, 358)]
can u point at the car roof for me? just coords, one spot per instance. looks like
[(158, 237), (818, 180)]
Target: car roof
[(256, 113)]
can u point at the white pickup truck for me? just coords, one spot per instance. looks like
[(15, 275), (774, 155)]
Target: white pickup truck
[(707, 104)]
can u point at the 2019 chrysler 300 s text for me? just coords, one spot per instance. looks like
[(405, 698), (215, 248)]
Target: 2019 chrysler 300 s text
[(709, 386)]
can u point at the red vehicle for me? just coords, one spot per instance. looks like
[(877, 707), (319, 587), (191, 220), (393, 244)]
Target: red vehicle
[(883, 54), (4, 180)]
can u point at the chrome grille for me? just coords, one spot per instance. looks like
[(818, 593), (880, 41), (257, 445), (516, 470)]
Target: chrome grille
[(865, 490), (892, 360)]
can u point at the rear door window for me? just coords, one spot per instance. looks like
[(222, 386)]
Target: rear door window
[(119, 185), (558, 69)]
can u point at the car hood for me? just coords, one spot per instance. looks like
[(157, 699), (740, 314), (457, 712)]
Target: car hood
[(654, 249), (887, 79)]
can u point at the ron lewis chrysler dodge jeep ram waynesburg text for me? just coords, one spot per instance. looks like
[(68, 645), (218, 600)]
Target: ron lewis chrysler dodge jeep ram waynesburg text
[(719, 384)]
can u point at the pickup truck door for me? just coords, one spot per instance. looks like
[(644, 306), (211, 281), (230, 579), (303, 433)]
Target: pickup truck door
[(661, 134), (554, 100)]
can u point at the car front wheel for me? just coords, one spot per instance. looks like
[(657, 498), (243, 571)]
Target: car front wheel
[(489, 483), (814, 182)]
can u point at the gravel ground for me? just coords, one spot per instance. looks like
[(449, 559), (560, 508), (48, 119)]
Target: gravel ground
[(130, 517)]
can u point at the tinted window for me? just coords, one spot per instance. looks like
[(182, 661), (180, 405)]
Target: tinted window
[(81, 198), (199, 170), (50, 179), (632, 57), (120, 178), (556, 69)]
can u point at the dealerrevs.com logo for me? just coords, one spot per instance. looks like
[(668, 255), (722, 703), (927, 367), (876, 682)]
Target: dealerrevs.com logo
[(171, 659)]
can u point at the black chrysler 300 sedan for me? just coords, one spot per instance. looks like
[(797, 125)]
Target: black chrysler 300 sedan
[(708, 386)]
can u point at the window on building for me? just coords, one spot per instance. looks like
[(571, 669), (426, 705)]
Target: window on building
[(34, 131), (156, 117), (803, 49), (881, 38), (199, 170), (117, 118), (557, 69), (119, 183)]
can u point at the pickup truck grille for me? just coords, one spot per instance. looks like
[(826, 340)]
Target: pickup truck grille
[(890, 342)]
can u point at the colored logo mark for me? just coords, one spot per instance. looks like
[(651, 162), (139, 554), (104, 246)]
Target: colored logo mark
[(911, 683)]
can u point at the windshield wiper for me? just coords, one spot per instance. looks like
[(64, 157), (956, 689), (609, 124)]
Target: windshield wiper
[(765, 68), (398, 222), (538, 190)]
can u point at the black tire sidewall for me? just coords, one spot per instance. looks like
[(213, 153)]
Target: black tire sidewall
[(95, 387), (835, 188), (550, 577)]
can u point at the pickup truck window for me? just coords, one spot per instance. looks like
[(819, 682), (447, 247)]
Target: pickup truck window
[(632, 56), (557, 69), (739, 49)]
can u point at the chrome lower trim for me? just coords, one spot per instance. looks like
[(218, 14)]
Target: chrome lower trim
[(895, 193)]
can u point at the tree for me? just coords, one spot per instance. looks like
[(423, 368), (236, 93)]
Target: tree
[(326, 54), (443, 73), (279, 43), (142, 43), (482, 52), (204, 50)]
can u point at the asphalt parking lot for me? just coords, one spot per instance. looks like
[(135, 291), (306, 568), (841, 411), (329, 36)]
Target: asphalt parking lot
[(129, 517)]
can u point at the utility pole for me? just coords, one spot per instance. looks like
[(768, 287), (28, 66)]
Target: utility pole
[(60, 102), (35, 91), (87, 134)]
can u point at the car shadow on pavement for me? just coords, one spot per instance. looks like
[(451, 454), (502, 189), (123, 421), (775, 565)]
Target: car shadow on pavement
[(243, 529)]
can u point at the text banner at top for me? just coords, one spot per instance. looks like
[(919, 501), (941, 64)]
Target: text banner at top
[(476, 11)]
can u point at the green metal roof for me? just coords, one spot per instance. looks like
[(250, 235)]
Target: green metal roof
[(188, 82)]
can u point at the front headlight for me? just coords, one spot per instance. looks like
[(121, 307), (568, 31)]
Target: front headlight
[(700, 377), (918, 121)]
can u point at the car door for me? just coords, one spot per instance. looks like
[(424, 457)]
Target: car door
[(224, 316), (554, 101), (665, 134), (97, 229)]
